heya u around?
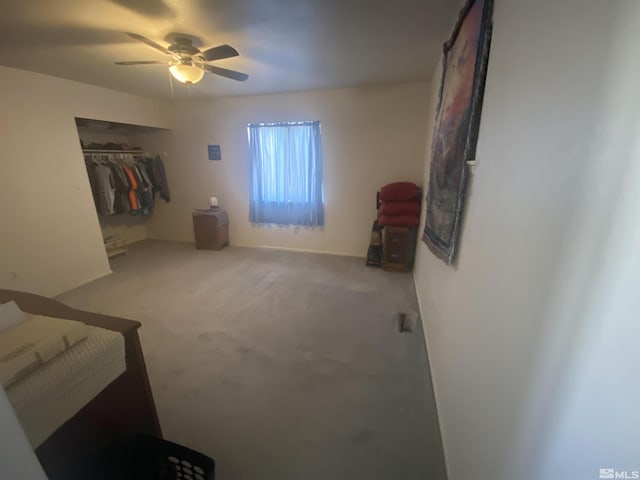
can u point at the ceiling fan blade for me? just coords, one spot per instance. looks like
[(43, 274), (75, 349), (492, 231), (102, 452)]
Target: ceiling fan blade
[(151, 43), (223, 72), (219, 52), (143, 62)]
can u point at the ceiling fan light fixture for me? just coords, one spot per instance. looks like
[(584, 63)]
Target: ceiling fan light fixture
[(187, 74), (188, 64)]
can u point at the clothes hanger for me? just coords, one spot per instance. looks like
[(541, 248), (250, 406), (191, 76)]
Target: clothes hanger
[(126, 159)]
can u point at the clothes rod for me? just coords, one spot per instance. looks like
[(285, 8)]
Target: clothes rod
[(89, 150)]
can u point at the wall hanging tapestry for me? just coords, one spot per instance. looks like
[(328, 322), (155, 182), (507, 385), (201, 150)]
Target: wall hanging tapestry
[(464, 68)]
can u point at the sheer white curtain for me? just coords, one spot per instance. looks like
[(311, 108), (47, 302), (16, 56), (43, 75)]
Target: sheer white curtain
[(286, 174)]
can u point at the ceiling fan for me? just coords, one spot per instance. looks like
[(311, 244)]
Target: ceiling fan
[(188, 64)]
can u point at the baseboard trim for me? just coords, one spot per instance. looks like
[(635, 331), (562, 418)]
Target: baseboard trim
[(91, 279), (299, 250), (98, 277), (431, 376)]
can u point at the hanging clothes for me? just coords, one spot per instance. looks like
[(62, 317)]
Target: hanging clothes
[(121, 184), (122, 204), (106, 188), (133, 198), (159, 177), (91, 173), (145, 188)]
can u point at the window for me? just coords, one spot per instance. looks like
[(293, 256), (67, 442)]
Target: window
[(286, 173)]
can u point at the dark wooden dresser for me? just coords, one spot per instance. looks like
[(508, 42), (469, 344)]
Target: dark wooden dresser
[(398, 247)]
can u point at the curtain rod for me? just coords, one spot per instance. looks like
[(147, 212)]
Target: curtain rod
[(275, 124)]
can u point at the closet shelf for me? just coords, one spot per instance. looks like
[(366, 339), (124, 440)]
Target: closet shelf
[(115, 246), (116, 251)]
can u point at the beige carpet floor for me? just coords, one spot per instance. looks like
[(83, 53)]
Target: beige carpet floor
[(280, 365)]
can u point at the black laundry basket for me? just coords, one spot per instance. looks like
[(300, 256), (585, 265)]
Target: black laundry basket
[(157, 459)]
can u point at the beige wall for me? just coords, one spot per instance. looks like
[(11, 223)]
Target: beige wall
[(532, 335), (51, 240), (370, 136)]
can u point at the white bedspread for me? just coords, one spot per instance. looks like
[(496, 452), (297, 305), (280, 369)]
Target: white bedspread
[(55, 392)]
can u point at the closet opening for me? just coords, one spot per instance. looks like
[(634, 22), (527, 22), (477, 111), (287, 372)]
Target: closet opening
[(126, 169)]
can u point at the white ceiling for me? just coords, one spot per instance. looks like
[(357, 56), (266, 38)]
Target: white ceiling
[(284, 45)]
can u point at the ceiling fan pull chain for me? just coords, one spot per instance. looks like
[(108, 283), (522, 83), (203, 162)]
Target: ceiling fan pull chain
[(173, 98)]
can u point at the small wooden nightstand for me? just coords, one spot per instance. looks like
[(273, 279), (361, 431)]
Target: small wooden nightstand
[(211, 229)]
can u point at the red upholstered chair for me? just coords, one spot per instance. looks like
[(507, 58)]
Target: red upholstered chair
[(399, 205)]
